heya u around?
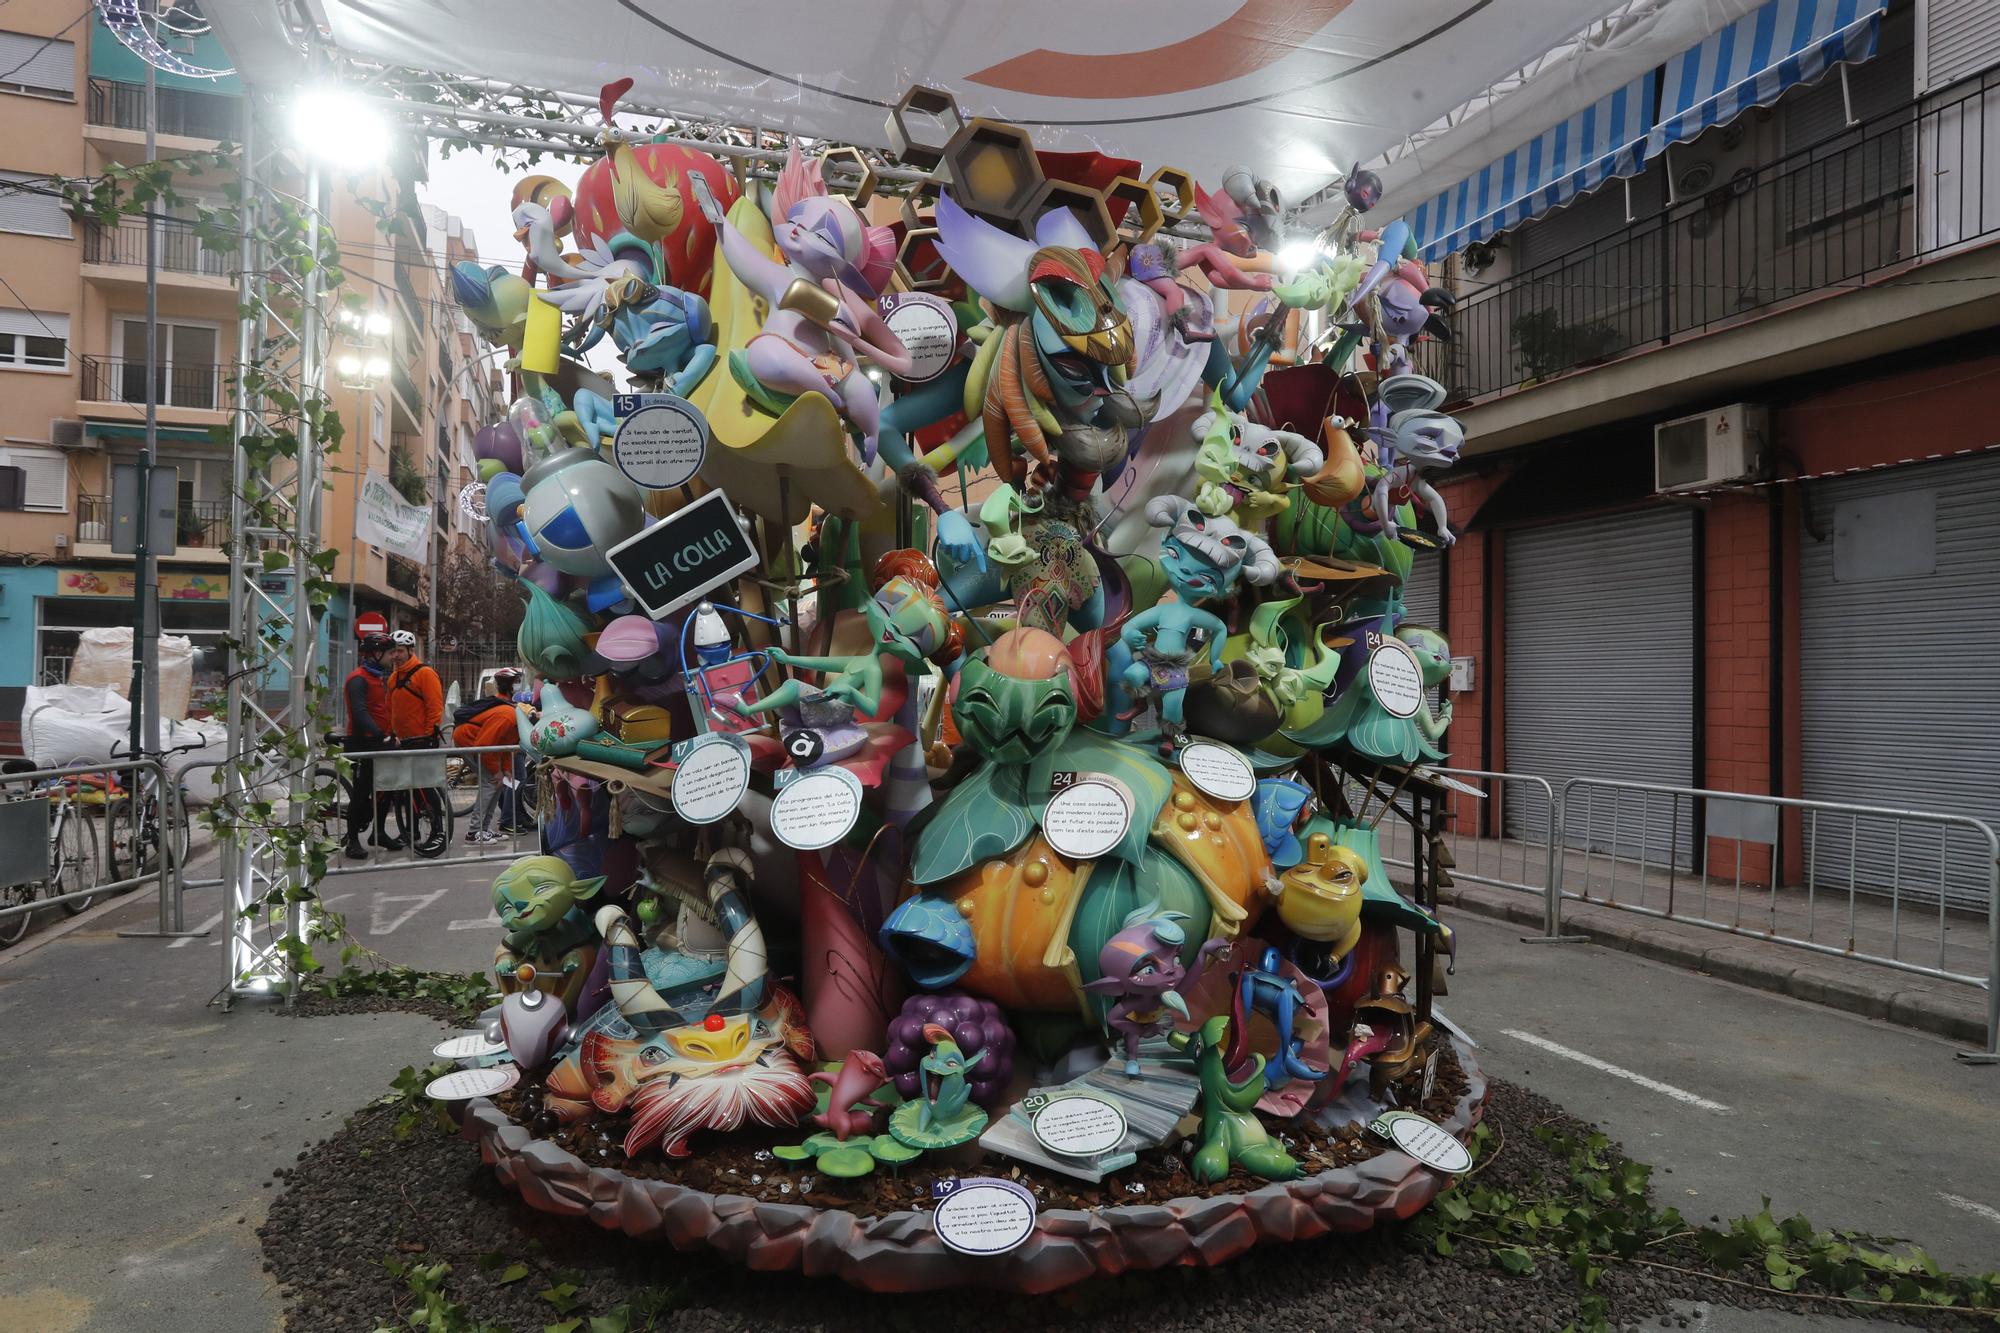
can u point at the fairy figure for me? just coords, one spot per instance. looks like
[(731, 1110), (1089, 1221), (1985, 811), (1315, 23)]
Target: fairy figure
[(822, 317)]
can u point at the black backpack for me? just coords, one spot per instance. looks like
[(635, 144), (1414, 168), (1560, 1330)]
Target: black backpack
[(465, 712)]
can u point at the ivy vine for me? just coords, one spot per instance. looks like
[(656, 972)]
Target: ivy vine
[(1600, 1214), (289, 249)]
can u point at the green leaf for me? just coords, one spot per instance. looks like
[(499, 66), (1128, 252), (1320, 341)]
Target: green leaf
[(1514, 1260), (512, 1273), (1442, 1245)]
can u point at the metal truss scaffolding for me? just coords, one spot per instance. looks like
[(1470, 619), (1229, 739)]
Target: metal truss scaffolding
[(281, 347)]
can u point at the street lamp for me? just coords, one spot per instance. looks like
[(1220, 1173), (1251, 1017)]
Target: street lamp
[(361, 374)]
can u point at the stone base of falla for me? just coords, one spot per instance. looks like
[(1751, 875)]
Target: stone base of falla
[(1155, 1103), (901, 1252)]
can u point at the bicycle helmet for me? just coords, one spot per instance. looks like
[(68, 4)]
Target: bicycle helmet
[(374, 643), (402, 638)]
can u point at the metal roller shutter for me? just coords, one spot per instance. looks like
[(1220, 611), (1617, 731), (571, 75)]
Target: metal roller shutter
[(1422, 590), (1600, 667), (1899, 669), (1423, 601)]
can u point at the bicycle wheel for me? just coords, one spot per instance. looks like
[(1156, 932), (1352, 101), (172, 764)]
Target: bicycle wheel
[(461, 780), (332, 822), (124, 838), (424, 821), (75, 864), (12, 928)]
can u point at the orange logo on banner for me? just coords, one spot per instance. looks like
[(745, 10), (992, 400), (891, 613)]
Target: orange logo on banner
[(1258, 34)]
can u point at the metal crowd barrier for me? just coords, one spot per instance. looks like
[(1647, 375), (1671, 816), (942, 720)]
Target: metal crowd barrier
[(1903, 883), (1510, 821), (19, 793), (408, 770)]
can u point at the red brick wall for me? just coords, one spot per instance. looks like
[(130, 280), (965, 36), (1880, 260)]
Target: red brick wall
[(1864, 422), (1464, 617), (1736, 721)]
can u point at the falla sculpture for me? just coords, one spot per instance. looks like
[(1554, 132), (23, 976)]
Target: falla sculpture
[(976, 676)]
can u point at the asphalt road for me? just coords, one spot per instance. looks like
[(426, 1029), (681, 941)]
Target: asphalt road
[(142, 1125)]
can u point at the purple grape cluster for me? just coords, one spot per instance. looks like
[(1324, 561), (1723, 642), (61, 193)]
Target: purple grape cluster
[(975, 1024)]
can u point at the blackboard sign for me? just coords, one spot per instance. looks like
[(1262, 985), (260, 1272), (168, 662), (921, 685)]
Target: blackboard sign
[(682, 556)]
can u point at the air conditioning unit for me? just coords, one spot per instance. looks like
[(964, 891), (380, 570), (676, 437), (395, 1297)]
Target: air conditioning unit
[(66, 433), (1716, 448)]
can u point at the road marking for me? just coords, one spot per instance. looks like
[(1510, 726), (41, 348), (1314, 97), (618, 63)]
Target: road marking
[(205, 926), (491, 921), (377, 922), (1973, 1206), (1616, 1071), (216, 920)]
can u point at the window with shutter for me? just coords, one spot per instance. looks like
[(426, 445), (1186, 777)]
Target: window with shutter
[(37, 64), (1844, 171), (32, 340), (29, 204), (1959, 37), (47, 488)]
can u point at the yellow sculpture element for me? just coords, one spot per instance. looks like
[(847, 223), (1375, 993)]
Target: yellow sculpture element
[(1322, 894), (750, 450)]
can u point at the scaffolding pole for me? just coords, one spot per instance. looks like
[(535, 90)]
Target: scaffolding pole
[(281, 359)]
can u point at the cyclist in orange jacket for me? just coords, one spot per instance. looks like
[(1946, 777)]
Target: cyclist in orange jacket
[(416, 696), (490, 721)]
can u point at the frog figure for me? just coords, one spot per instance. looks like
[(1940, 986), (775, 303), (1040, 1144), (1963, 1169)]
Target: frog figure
[(994, 909), (941, 1115)]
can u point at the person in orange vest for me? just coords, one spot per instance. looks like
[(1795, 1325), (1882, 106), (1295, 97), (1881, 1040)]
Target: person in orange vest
[(416, 696), (490, 721), (416, 712), (367, 699)]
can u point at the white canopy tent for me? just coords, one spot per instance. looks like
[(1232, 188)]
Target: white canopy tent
[(1295, 89)]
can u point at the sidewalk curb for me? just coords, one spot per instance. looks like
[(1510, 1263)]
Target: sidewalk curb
[(1946, 1009)]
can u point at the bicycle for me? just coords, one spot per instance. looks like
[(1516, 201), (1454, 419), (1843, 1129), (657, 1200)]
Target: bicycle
[(461, 780), (134, 828), (72, 856), (419, 819)]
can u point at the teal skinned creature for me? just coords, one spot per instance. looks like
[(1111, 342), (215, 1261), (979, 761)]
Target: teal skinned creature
[(995, 909), (1383, 711), (941, 1115), (550, 941), (1169, 646), (1433, 653), (1231, 1133)]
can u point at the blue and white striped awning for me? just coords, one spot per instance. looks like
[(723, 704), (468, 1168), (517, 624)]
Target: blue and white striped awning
[(1604, 140), (1755, 59)]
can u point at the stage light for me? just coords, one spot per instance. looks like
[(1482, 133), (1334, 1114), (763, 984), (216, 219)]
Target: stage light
[(339, 128)]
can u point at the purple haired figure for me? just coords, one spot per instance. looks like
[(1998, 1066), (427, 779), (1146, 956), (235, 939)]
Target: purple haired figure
[(1142, 971), (823, 320)]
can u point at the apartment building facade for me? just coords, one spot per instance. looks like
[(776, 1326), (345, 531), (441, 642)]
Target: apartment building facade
[(1816, 615), (73, 368)]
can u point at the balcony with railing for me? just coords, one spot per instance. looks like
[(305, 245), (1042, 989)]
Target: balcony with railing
[(110, 379), (178, 111), (405, 576), (180, 249), (199, 525), (1908, 186)]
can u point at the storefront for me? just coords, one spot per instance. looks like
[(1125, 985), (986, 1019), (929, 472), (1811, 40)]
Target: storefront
[(192, 605)]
